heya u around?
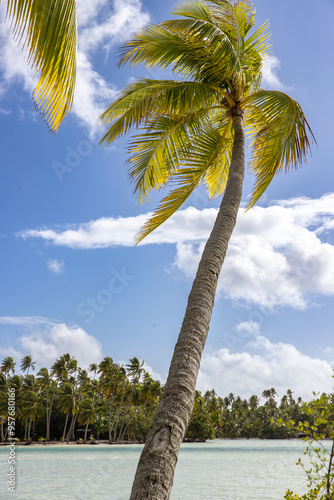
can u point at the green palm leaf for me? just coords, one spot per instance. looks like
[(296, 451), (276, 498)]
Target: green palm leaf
[(48, 29), (207, 159), (281, 136), (145, 98)]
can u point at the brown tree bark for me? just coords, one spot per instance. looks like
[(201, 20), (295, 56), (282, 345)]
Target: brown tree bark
[(155, 471)]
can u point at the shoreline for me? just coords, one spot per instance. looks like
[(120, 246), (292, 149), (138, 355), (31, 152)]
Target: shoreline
[(70, 443), (124, 443)]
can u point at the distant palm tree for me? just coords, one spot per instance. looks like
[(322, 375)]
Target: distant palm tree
[(108, 382), (48, 29), (32, 407), (68, 404), (191, 131), (93, 367), (87, 413), (46, 382), (122, 381), (7, 366), (4, 401), (27, 363), (135, 370)]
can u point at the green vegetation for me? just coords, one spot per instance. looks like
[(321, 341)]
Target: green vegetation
[(117, 403), (319, 468), (48, 31)]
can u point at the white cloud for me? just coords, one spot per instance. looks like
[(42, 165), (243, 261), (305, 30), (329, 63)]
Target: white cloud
[(47, 339), (13, 61), (115, 26), (56, 266), (248, 328), (188, 224), (99, 28), (92, 94), (264, 365), (276, 256), (269, 76), (155, 375), (28, 321)]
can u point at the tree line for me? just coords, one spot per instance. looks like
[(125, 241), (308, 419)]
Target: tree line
[(117, 403)]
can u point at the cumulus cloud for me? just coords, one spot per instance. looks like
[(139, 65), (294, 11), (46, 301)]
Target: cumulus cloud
[(92, 94), (101, 25), (269, 76), (114, 26), (189, 224), (278, 255), (56, 266), (264, 365), (47, 339)]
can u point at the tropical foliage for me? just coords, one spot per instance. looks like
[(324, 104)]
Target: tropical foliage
[(185, 126), (319, 468), (117, 403), (48, 29)]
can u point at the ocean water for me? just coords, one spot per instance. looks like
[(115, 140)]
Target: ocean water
[(225, 469)]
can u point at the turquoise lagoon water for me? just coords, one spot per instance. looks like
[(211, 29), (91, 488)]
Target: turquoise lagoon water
[(225, 469)]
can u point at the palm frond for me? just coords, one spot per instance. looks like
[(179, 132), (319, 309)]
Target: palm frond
[(188, 180), (156, 155), (179, 43), (217, 173), (281, 136), (48, 29), (145, 98), (206, 159)]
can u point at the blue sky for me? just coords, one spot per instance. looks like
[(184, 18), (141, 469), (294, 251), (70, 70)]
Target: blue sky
[(71, 280)]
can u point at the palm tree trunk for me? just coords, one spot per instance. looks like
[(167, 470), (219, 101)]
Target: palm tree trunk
[(125, 413), (131, 418), (112, 398), (109, 420), (71, 429), (29, 428), (26, 430), (47, 432), (86, 430), (155, 471), (115, 422), (64, 432), (2, 436), (49, 418)]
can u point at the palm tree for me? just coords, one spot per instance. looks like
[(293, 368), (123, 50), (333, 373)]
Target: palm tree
[(108, 382), (46, 382), (48, 30), (68, 404), (32, 407), (4, 401), (7, 366), (121, 379), (191, 131), (87, 413), (27, 363), (149, 393), (135, 370), (93, 368)]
